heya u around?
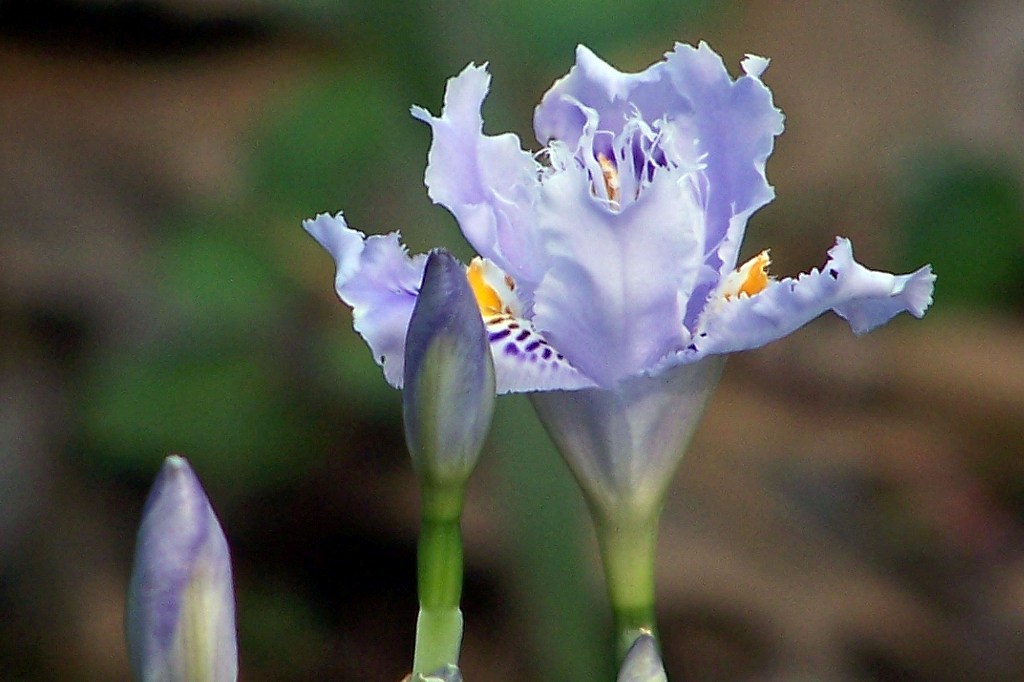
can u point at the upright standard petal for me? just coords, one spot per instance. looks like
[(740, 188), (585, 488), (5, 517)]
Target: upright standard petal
[(180, 621), (449, 374), (487, 182), (379, 280), (865, 298), (729, 125)]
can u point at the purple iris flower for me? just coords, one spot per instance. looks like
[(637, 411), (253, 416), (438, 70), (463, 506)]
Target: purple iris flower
[(608, 278), (612, 253), (180, 621)]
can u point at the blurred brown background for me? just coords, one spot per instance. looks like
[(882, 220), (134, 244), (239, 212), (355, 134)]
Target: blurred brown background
[(851, 509)]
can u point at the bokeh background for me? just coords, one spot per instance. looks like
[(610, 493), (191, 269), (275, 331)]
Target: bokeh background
[(850, 509)]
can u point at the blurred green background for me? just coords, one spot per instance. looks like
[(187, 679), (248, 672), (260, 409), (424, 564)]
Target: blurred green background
[(850, 509)]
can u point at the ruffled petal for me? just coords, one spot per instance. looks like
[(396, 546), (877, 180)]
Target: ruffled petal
[(344, 245), (734, 123), (728, 126), (865, 298), (595, 84), (378, 279), (487, 182), (611, 299)]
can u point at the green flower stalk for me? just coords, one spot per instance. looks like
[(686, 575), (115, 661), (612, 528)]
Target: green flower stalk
[(623, 447), (448, 401)]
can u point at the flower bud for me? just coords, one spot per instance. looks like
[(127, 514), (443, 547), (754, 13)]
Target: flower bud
[(642, 664), (180, 622), (449, 390)]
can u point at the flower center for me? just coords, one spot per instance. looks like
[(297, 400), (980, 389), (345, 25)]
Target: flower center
[(749, 279)]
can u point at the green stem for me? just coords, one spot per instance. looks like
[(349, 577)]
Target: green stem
[(439, 566), (438, 640), (628, 545)]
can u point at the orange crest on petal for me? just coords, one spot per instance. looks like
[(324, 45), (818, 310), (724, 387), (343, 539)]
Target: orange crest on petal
[(486, 297), (750, 278), (493, 289)]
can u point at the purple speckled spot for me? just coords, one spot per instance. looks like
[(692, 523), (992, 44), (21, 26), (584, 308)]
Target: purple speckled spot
[(523, 335), (498, 336), (547, 353), (511, 349), (532, 346)]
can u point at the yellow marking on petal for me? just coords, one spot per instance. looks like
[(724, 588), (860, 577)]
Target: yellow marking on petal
[(486, 297), (611, 177), (757, 274), (493, 289), (751, 278)]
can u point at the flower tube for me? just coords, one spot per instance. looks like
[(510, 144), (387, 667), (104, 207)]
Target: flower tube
[(180, 621), (608, 277)]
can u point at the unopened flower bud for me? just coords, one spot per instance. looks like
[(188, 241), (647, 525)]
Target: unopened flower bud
[(643, 663), (180, 622), (448, 395)]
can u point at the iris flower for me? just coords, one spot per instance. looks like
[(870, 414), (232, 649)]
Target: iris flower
[(610, 256), (612, 253), (608, 275)]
